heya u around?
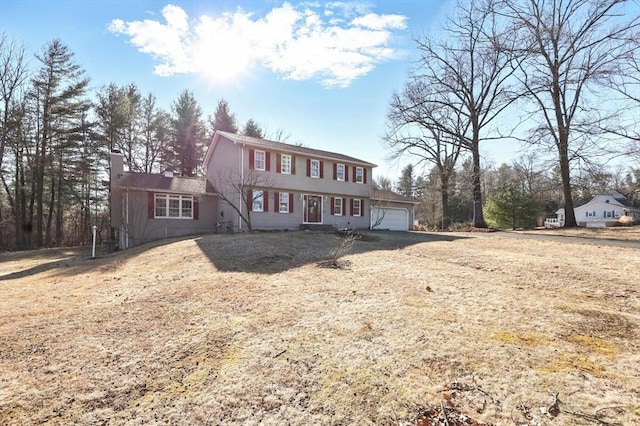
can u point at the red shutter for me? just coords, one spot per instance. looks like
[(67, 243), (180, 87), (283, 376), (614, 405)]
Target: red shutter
[(346, 173), (354, 173), (265, 201), (351, 206), (252, 157), (150, 205), (279, 163), (335, 171), (196, 209), (308, 167), (291, 202), (333, 204), (293, 164), (364, 175), (276, 202), (250, 200), (267, 161), (322, 170), (362, 208)]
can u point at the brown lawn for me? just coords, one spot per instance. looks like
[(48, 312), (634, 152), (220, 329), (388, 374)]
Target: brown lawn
[(257, 329)]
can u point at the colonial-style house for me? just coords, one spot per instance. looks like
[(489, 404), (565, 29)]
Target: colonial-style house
[(601, 211), (250, 183), (277, 185)]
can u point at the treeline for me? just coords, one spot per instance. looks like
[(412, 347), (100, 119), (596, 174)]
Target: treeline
[(56, 136), (530, 188)]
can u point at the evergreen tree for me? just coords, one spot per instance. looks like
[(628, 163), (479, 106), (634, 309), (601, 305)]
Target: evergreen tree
[(510, 207), (58, 90), (252, 129), (223, 119), (186, 144), (406, 184)]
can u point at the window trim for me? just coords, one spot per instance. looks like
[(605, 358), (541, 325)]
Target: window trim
[(282, 163), (257, 195), (359, 209), (335, 206), (281, 202), (317, 169), (264, 160), (167, 198), (344, 172), (359, 177)]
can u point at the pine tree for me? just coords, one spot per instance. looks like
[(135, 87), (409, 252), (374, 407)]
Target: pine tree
[(58, 89), (223, 119), (186, 144)]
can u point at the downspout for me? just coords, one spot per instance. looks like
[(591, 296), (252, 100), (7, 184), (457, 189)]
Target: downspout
[(241, 186), (126, 233)]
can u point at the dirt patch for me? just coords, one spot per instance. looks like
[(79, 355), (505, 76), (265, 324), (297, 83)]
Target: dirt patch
[(252, 329)]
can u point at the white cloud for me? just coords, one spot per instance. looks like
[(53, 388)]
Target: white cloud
[(334, 45)]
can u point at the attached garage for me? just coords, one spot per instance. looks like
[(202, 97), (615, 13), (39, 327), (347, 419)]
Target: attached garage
[(392, 211), (393, 219)]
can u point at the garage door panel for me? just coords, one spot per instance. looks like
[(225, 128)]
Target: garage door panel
[(392, 219)]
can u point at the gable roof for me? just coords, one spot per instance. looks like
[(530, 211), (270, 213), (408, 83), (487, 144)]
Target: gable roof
[(384, 195), (155, 182), (281, 146)]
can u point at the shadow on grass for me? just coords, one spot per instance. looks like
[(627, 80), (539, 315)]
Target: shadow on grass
[(67, 261), (259, 252), (54, 258), (274, 252)]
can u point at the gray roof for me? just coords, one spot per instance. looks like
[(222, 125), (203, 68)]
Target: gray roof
[(384, 195), (281, 146), (175, 184)]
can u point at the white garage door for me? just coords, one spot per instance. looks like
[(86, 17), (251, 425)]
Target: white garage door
[(392, 219)]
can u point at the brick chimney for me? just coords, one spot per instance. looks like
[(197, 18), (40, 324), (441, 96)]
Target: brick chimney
[(117, 170)]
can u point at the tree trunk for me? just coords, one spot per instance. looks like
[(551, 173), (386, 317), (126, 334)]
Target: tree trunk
[(569, 213), (478, 216), (444, 194), (52, 201)]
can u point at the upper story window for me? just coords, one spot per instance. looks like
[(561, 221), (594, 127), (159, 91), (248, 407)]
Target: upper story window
[(170, 206), (357, 207), (315, 169), (284, 202), (285, 164), (257, 204), (359, 175), (259, 160), (340, 172)]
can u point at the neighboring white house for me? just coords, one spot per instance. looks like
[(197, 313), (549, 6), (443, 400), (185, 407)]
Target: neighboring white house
[(602, 211)]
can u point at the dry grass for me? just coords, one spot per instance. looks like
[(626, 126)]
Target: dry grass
[(252, 329)]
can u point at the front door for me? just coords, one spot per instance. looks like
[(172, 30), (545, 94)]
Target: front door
[(313, 210)]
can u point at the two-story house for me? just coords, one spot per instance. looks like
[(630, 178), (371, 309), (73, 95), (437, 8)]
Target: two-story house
[(277, 185), (271, 185)]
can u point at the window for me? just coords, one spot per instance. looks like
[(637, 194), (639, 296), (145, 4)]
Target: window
[(284, 202), (286, 164), (315, 169), (340, 172), (337, 206), (169, 206), (257, 204), (259, 160), (356, 207), (359, 175)]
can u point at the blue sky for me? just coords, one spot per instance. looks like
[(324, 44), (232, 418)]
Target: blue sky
[(323, 72)]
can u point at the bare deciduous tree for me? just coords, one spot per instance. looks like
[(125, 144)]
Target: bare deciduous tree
[(565, 50), (237, 190), (416, 122), (465, 77)]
